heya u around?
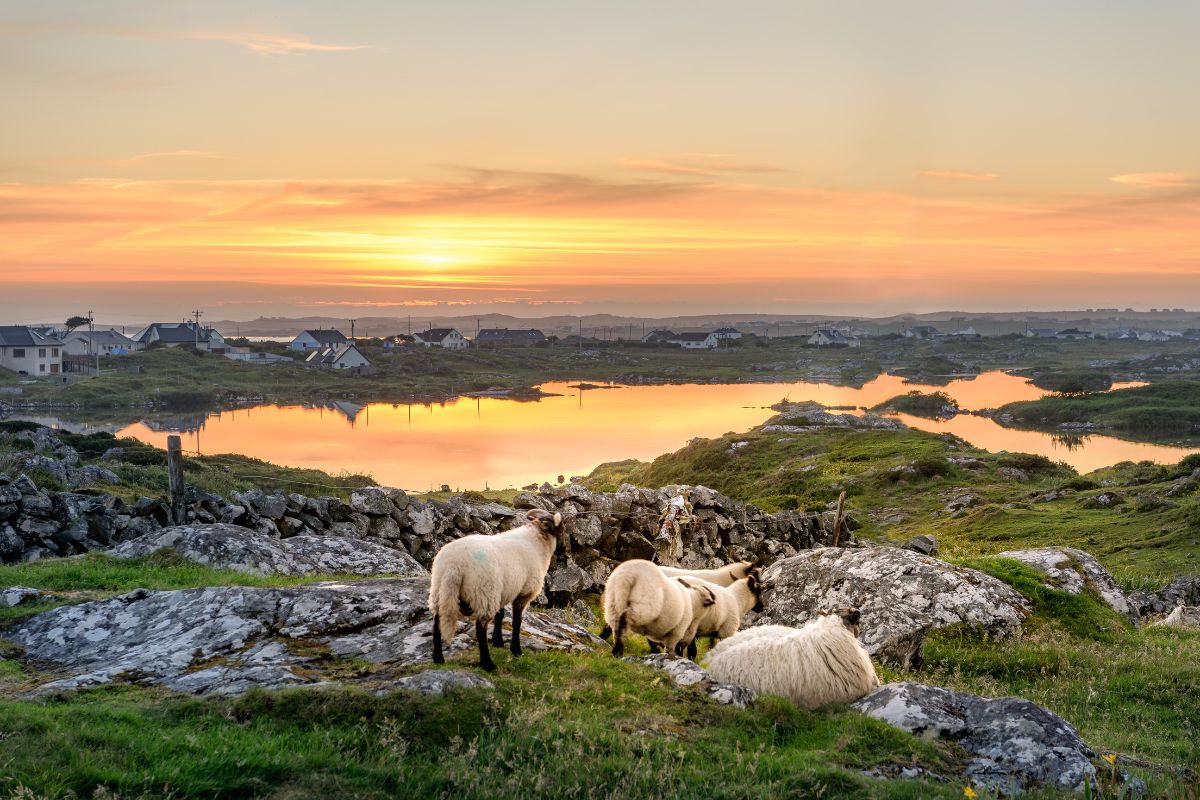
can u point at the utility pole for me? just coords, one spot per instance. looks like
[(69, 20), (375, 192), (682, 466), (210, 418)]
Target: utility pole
[(352, 327), (197, 314), (92, 341)]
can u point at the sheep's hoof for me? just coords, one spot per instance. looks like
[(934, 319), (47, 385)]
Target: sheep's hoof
[(488, 665), (438, 658), (516, 651), (498, 641)]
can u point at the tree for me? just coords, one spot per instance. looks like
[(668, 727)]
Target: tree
[(75, 322)]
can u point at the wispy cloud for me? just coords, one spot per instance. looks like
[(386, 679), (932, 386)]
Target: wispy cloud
[(1155, 180), (134, 159), (274, 45), (959, 175), (704, 164)]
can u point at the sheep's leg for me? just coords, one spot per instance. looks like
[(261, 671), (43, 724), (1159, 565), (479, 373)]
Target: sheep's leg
[(654, 648), (605, 632), (497, 636), (485, 658), (618, 648), (692, 650), (438, 657), (519, 605)]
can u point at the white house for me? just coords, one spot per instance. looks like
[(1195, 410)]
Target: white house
[(1153, 336), (176, 334), (727, 333), (827, 336), (447, 338), (106, 343), (697, 341), (659, 336), (27, 352), (343, 356), (317, 340)]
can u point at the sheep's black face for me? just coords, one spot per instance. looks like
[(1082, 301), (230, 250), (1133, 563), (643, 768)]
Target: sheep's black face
[(744, 570), (850, 618), (754, 584), (550, 525)]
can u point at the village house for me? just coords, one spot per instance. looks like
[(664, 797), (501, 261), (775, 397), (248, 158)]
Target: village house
[(660, 336), (1072, 334), (921, 332), (823, 337), (510, 337), (106, 343), (1155, 336), (177, 334), (446, 338), (340, 357), (317, 340), (698, 340), (727, 334), (28, 352), (1040, 333)]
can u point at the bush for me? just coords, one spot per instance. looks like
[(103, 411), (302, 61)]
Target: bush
[(1027, 462), (931, 466)]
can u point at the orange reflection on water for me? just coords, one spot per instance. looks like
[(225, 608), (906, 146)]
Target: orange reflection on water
[(490, 442)]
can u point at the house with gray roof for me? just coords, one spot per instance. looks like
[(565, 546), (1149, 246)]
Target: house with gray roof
[(318, 339), (106, 343), (26, 351), (181, 334), (510, 337), (445, 338)]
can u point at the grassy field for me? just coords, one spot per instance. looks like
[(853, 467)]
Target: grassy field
[(1158, 410), (588, 726), (898, 484)]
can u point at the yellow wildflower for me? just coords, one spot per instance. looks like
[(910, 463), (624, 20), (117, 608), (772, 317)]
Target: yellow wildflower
[(1111, 758), (969, 793)]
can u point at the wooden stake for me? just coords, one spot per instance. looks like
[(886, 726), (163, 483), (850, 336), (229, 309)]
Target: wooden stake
[(837, 521), (175, 475)]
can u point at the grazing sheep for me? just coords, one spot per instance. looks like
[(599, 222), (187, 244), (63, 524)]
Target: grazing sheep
[(723, 576), (475, 577), (817, 664), (723, 618), (638, 598)]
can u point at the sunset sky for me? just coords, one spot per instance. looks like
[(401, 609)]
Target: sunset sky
[(265, 158)]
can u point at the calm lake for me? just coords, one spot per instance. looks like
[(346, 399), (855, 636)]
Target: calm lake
[(476, 443)]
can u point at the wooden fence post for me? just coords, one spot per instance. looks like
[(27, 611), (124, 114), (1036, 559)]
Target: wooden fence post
[(837, 521), (175, 473)]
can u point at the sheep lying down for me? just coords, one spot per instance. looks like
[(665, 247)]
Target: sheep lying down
[(475, 577), (817, 664)]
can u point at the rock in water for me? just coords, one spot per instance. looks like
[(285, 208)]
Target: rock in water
[(1016, 744), (228, 639), (902, 595), (1072, 571), (226, 546)]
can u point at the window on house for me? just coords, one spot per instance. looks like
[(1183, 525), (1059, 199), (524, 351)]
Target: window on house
[(41, 367), (18, 353), (41, 352), (54, 352)]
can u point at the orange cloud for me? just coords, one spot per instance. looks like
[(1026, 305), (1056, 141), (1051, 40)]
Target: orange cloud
[(705, 164), (957, 175), (1155, 180), (273, 45)]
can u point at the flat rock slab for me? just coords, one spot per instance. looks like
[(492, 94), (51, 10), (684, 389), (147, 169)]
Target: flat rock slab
[(683, 672), (228, 639), (436, 682), (1015, 743), (234, 547), (1073, 571), (902, 595)]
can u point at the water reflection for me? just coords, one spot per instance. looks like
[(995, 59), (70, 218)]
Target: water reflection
[(491, 442)]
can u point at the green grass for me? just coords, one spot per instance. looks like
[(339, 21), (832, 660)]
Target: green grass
[(556, 726), (1155, 411)]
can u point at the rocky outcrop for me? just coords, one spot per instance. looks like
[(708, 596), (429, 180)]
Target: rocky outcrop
[(12, 596), (1014, 744), (1180, 592), (226, 640), (437, 682), (231, 547), (1075, 571), (902, 595), (683, 672), (1182, 617)]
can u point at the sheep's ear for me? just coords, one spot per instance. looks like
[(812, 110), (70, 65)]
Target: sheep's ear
[(557, 519), (685, 583), (708, 597)]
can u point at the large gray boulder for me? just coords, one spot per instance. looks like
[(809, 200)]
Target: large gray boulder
[(902, 595), (1014, 743), (233, 547), (1073, 571), (225, 640)]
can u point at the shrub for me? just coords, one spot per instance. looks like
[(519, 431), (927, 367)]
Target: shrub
[(1026, 462)]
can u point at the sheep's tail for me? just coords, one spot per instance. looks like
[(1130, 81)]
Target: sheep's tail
[(444, 591)]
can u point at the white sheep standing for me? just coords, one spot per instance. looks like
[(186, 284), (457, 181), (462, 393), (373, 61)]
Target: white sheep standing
[(722, 619), (476, 576), (722, 576), (638, 598), (820, 663)]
